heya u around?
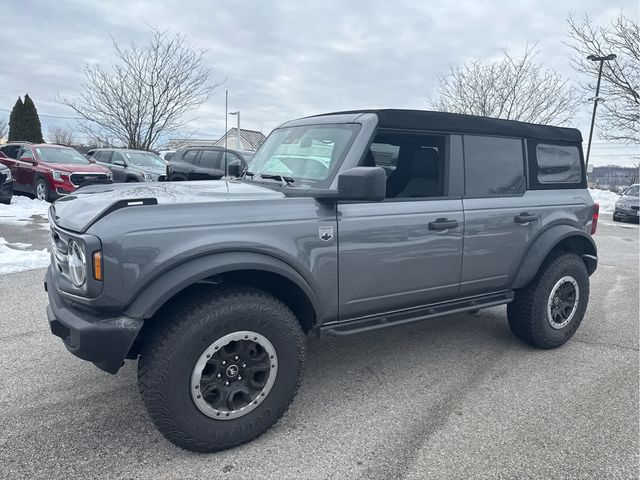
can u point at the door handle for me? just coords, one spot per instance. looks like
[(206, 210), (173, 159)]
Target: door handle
[(525, 217), (443, 224)]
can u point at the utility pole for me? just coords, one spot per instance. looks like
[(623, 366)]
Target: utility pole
[(596, 99)]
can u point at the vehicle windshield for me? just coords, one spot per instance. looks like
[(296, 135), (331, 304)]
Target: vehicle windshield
[(144, 159), (60, 155), (306, 154), (633, 191)]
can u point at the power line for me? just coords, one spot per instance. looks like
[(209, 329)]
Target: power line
[(45, 115)]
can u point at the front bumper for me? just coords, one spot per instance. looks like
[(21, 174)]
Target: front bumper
[(104, 341), (626, 213)]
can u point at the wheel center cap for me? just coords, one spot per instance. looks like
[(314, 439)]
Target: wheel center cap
[(556, 300), (232, 370)]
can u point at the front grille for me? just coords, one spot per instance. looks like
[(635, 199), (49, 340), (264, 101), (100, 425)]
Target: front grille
[(79, 179)]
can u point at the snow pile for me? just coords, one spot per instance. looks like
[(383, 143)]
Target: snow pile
[(14, 257), (22, 209), (605, 198)]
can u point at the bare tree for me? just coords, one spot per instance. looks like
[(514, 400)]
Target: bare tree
[(513, 88), (146, 94), (619, 117), (61, 136), (4, 129)]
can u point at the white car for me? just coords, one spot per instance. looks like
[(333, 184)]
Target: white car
[(166, 154)]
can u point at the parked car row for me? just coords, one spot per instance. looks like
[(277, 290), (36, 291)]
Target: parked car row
[(6, 184), (50, 171)]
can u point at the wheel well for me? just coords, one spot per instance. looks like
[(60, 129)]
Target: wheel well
[(580, 246), (280, 287)]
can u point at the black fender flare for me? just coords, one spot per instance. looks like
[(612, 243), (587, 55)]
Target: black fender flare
[(545, 243), (156, 293)]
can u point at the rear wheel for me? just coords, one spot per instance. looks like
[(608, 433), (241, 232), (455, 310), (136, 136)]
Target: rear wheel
[(222, 369), (548, 311)]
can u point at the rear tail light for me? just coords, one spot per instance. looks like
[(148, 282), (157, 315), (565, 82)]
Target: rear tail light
[(594, 218)]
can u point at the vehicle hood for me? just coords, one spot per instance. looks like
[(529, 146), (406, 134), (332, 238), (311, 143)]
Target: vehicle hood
[(76, 167), (629, 200), (78, 211)]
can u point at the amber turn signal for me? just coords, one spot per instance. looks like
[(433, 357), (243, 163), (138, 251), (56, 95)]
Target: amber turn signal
[(97, 265)]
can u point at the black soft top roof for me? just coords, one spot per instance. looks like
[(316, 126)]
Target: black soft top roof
[(456, 122)]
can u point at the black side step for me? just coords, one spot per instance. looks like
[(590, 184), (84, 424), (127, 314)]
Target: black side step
[(401, 317)]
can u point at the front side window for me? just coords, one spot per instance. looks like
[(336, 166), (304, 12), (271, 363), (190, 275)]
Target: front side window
[(26, 154), (558, 164), (60, 155), (306, 154), (493, 166)]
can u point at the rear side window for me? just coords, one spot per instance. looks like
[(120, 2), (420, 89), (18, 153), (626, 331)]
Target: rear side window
[(493, 166), (11, 151), (190, 156), (104, 156), (558, 164), (210, 159)]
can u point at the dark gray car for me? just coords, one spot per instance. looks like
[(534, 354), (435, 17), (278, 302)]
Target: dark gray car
[(628, 205), (131, 165), (341, 224)]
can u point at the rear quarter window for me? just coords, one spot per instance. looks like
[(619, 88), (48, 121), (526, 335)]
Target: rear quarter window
[(558, 164)]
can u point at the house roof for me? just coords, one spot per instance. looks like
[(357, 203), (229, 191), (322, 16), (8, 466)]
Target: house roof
[(457, 122), (252, 137)]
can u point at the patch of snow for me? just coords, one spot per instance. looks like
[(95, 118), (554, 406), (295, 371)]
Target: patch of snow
[(14, 257), (24, 210), (605, 198)]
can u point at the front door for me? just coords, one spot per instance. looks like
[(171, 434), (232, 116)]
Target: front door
[(25, 168), (405, 251)]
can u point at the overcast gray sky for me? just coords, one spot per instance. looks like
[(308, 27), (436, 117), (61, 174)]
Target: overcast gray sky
[(285, 59)]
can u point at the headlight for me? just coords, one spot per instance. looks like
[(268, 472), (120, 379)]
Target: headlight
[(57, 175), (622, 205), (150, 177), (77, 264)]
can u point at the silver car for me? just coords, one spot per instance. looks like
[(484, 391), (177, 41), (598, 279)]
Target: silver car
[(628, 205)]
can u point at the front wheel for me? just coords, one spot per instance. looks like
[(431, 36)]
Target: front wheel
[(41, 190), (221, 369), (548, 311)]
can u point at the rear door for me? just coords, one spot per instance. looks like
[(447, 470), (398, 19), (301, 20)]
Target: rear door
[(501, 215), (209, 166), (406, 251), (25, 168)]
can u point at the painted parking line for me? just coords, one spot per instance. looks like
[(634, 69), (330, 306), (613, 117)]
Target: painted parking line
[(618, 224)]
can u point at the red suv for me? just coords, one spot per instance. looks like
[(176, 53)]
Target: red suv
[(49, 171)]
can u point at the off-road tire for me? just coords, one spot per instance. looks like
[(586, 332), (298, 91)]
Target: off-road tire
[(171, 349), (527, 314)]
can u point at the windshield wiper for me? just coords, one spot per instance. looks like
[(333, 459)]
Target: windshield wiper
[(276, 176), (247, 173)]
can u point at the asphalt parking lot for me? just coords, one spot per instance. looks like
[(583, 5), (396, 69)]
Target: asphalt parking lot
[(451, 398)]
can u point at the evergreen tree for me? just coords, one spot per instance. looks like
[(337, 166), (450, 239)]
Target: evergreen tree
[(33, 129), (15, 121)]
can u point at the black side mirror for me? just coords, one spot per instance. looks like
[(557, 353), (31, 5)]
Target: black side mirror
[(234, 168), (119, 163), (363, 183)]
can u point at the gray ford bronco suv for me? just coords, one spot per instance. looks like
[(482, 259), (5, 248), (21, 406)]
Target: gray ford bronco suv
[(340, 224)]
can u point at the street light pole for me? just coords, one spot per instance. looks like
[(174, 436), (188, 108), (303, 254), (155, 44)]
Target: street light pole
[(593, 58)]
